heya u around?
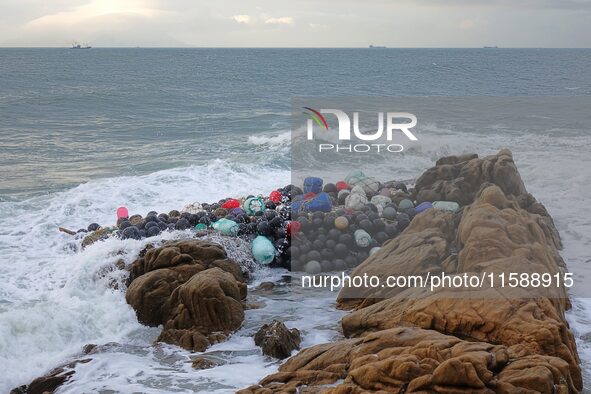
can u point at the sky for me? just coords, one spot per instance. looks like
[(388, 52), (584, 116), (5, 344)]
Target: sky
[(296, 23)]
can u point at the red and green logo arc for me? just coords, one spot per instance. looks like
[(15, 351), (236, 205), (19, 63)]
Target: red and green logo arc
[(317, 117)]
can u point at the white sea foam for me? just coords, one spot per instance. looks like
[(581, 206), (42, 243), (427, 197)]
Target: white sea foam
[(282, 138), (52, 301), (167, 368)]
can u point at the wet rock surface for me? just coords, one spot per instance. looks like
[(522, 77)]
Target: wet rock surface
[(458, 178), (202, 362), (277, 340), (446, 341), (408, 359), (192, 289), (50, 382)]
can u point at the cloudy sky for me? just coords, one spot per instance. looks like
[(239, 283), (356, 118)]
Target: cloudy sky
[(297, 23)]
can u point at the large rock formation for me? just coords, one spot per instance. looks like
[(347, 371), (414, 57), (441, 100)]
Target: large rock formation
[(460, 178), (407, 359), (191, 288), (452, 340)]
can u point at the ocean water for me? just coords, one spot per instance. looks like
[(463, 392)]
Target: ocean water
[(83, 132)]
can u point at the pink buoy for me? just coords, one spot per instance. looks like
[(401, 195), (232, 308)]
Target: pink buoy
[(122, 213)]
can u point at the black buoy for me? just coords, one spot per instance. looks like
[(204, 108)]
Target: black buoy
[(275, 222), (153, 231), (378, 225), (326, 254), (327, 266), (182, 224), (281, 244), (346, 239), (124, 224), (93, 227), (403, 221), (131, 232), (270, 214), (334, 234), (351, 261), (341, 250), (264, 228), (151, 218), (317, 244), (381, 237), (314, 255), (330, 244), (366, 225), (361, 256), (330, 188), (280, 232), (148, 225)]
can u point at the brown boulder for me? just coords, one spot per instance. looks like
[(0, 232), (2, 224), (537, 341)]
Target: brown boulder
[(277, 340), (459, 178), (149, 293), (204, 310), (192, 289), (208, 302), (266, 286), (203, 362), (174, 253)]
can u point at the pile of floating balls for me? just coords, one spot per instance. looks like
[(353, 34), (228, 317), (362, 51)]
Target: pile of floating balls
[(317, 228)]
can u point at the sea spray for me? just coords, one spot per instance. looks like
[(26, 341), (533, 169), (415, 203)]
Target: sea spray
[(53, 299)]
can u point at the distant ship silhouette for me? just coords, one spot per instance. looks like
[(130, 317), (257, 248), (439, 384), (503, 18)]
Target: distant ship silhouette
[(75, 45), (493, 47), (377, 46)]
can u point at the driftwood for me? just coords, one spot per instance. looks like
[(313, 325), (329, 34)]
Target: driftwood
[(65, 230)]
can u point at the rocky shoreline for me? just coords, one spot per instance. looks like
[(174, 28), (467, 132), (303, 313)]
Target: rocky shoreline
[(437, 342), (408, 340)]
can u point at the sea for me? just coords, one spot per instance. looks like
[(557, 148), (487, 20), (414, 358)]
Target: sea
[(83, 132)]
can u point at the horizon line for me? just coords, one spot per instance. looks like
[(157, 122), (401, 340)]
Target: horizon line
[(290, 47)]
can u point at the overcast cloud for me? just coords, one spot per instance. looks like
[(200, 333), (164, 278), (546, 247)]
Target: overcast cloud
[(297, 23)]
